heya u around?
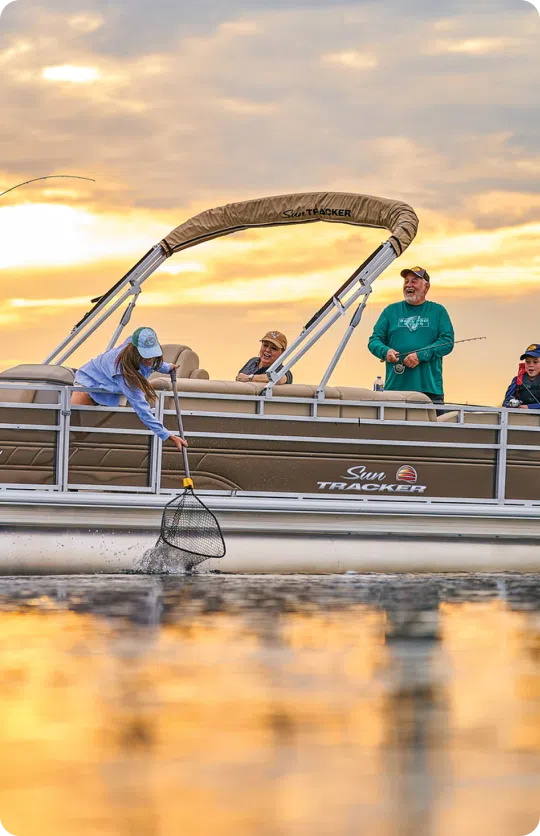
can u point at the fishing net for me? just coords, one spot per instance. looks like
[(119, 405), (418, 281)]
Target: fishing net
[(190, 534), (189, 526)]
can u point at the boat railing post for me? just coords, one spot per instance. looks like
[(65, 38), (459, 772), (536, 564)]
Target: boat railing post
[(502, 456), (62, 444), (156, 448)]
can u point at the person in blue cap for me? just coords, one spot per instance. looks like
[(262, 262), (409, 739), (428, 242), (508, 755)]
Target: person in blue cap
[(524, 391), (124, 371)]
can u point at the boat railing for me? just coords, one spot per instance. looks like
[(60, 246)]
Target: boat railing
[(466, 418)]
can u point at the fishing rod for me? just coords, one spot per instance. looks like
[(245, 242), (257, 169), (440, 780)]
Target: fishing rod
[(515, 403), (399, 368), (48, 177)]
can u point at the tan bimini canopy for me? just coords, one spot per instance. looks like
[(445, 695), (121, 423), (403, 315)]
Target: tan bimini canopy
[(334, 207)]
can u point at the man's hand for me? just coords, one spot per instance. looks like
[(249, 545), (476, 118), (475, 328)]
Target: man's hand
[(392, 356), (243, 378), (411, 360), (178, 442), (523, 406)]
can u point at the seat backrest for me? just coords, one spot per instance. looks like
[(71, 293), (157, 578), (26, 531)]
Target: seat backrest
[(185, 358), (34, 373)]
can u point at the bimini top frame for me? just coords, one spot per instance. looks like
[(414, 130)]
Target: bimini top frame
[(311, 207)]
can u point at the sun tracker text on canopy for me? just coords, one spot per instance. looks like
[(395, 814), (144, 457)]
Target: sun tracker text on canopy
[(333, 207)]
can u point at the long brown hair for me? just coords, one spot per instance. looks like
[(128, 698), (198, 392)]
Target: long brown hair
[(128, 362)]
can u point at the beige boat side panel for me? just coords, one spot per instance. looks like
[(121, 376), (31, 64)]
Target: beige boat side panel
[(524, 418)]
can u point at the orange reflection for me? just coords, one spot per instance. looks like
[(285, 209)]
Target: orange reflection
[(493, 719), (146, 731), (235, 724)]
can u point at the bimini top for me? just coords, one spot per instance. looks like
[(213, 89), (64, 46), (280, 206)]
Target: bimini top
[(334, 207)]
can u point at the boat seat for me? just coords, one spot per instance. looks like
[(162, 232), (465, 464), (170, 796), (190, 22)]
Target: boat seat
[(186, 359), (306, 392), (337, 402), (34, 373)]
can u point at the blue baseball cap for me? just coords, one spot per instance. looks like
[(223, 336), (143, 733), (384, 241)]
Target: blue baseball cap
[(532, 351), (146, 342)]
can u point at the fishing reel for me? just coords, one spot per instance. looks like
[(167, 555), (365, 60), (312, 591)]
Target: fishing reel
[(514, 403)]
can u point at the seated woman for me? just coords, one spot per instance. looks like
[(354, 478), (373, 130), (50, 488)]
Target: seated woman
[(524, 391), (273, 344), (125, 371)]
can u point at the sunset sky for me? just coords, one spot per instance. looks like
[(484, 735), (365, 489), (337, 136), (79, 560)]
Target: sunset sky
[(177, 107)]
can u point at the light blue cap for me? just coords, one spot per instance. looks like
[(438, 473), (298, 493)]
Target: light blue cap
[(146, 342)]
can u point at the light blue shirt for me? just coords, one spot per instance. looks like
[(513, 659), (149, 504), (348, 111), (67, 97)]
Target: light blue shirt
[(101, 373)]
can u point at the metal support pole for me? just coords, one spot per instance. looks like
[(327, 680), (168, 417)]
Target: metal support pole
[(101, 311), (357, 316), (330, 313), (126, 316)]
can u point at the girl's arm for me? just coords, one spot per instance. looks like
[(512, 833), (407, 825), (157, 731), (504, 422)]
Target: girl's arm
[(139, 403)]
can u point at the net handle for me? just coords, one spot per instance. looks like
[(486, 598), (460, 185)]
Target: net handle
[(188, 483)]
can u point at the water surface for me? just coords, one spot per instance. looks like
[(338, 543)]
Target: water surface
[(290, 705)]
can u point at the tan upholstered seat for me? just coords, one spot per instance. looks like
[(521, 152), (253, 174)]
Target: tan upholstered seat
[(34, 373), (186, 359), (190, 382), (306, 392)]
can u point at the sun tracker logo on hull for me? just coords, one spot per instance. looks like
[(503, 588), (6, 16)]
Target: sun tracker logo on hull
[(406, 473)]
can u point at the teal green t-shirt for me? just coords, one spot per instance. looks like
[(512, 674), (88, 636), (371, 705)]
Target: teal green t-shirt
[(406, 328)]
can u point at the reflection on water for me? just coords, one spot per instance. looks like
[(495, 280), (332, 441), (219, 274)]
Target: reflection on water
[(244, 705)]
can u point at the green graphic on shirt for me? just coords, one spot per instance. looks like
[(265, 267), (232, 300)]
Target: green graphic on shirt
[(413, 323)]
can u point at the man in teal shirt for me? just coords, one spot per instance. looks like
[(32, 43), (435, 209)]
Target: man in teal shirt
[(403, 329)]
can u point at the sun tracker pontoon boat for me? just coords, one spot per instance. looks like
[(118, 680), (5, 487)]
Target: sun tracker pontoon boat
[(303, 477)]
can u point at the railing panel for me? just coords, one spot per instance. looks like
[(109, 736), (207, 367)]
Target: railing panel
[(56, 447)]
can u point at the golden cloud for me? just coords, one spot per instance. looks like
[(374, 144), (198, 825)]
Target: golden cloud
[(352, 59)]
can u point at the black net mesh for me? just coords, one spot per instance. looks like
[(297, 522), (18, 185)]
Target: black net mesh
[(188, 525)]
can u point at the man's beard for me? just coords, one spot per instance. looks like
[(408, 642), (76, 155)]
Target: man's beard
[(412, 297)]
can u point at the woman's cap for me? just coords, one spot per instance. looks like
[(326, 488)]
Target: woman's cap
[(276, 338), (146, 342), (532, 351)]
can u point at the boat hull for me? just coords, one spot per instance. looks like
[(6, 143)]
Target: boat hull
[(91, 533)]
